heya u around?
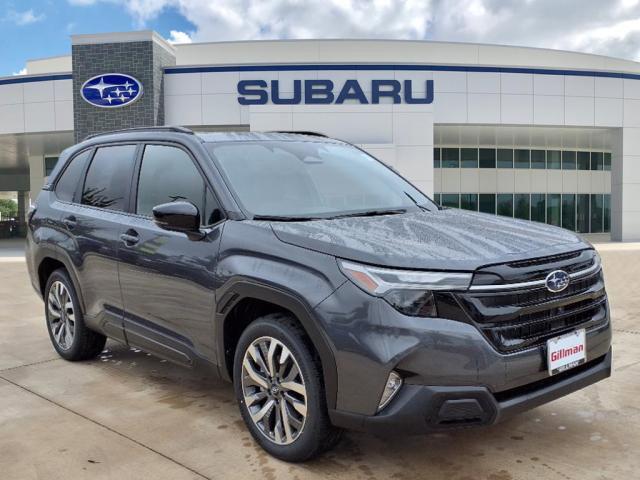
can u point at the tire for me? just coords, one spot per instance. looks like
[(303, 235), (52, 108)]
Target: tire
[(310, 433), (68, 333)]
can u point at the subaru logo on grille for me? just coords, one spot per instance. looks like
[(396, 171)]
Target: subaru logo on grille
[(111, 90), (557, 281)]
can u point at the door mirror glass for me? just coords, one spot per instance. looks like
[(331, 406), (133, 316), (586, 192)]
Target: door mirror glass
[(177, 216)]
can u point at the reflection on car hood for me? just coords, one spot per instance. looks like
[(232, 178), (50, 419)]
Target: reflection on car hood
[(445, 239)]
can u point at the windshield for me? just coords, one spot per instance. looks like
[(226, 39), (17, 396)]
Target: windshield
[(313, 180)]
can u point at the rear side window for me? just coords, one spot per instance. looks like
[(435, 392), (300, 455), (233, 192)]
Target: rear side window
[(168, 174), (71, 177), (109, 177)]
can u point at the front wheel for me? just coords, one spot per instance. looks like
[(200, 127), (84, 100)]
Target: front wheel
[(278, 384)]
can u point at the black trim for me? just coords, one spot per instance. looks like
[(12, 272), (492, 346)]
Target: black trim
[(246, 288)]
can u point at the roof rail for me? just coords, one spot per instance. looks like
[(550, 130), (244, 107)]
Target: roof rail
[(144, 129), (300, 132)]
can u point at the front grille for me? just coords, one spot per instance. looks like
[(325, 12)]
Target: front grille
[(513, 320)]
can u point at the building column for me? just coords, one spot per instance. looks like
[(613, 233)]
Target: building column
[(23, 209), (36, 175), (625, 185)]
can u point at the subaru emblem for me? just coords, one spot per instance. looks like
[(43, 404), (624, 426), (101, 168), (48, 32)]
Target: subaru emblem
[(111, 90), (557, 281)]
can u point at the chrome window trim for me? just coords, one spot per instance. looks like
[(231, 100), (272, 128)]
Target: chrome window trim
[(536, 283)]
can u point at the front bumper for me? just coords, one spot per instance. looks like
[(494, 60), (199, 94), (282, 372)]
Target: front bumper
[(423, 409)]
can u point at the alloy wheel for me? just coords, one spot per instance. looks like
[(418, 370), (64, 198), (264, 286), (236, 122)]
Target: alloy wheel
[(62, 319), (274, 390)]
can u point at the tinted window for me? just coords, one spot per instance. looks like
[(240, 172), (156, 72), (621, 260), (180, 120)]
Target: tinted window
[(71, 177), (168, 174), (109, 177), (521, 158), (582, 211), (436, 158), (553, 159), (469, 157), (488, 202), (300, 179), (49, 165), (469, 201), (521, 206), (584, 160), (568, 160), (450, 157), (487, 158), (538, 207), (597, 160), (451, 200), (569, 211), (505, 204), (538, 159), (553, 209), (505, 158)]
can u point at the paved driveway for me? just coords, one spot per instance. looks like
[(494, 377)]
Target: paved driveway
[(130, 415)]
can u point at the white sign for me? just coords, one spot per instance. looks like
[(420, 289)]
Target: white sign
[(566, 352)]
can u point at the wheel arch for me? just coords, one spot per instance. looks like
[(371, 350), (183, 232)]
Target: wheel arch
[(243, 290), (49, 261)]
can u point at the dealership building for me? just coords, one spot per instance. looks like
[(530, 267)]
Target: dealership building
[(546, 135)]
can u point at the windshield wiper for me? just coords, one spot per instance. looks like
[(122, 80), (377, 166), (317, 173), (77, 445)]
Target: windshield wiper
[(372, 213), (279, 218), (421, 207)]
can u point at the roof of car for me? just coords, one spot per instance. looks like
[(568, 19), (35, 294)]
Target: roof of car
[(212, 137)]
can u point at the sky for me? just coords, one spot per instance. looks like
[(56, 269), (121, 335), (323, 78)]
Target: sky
[(41, 28)]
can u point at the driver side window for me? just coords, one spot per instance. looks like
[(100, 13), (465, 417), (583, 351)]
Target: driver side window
[(168, 174)]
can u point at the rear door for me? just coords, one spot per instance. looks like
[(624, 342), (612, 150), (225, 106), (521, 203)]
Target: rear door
[(167, 279), (91, 221)]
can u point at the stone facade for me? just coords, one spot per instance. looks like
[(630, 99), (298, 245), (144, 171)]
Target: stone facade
[(143, 60)]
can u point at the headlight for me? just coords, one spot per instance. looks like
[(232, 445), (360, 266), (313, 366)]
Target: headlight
[(409, 292)]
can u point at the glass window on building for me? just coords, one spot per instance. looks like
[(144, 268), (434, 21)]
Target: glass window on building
[(436, 158), (521, 206), (553, 159), (584, 160), (505, 158), (538, 207), (538, 159), (569, 211), (553, 209), (568, 160), (607, 212), (597, 214), (469, 201), (582, 213), (487, 158), (505, 204), (487, 203), (49, 165), (597, 160), (436, 198), (450, 157), (451, 200), (607, 161), (521, 158), (469, 157)]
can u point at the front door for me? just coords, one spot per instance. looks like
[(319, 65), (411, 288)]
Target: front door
[(167, 278)]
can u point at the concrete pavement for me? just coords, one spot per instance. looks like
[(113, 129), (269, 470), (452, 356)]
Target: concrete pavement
[(130, 415)]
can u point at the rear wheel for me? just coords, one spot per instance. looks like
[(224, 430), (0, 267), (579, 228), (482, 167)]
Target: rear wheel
[(65, 322), (278, 384)]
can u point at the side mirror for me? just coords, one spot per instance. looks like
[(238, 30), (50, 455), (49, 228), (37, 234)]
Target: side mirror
[(177, 217)]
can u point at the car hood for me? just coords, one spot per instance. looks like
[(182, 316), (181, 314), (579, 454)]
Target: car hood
[(448, 239)]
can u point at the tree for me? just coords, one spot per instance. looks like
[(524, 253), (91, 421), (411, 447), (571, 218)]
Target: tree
[(8, 209)]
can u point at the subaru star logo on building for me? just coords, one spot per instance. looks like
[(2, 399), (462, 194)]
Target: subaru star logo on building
[(557, 281), (111, 90)]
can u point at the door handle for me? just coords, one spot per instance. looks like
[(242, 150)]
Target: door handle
[(130, 238), (69, 222)]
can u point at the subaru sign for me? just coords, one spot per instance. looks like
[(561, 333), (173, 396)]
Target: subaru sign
[(259, 92), (111, 90)]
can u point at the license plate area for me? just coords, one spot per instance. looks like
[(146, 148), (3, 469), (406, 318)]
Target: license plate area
[(566, 351)]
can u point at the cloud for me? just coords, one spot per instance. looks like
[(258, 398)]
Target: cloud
[(24, 18), (609, 28), (176, 36), (22, 71)]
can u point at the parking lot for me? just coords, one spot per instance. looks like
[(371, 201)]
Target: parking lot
[(130, 415)]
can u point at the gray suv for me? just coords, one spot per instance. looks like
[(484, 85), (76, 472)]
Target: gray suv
[(327, 288)]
